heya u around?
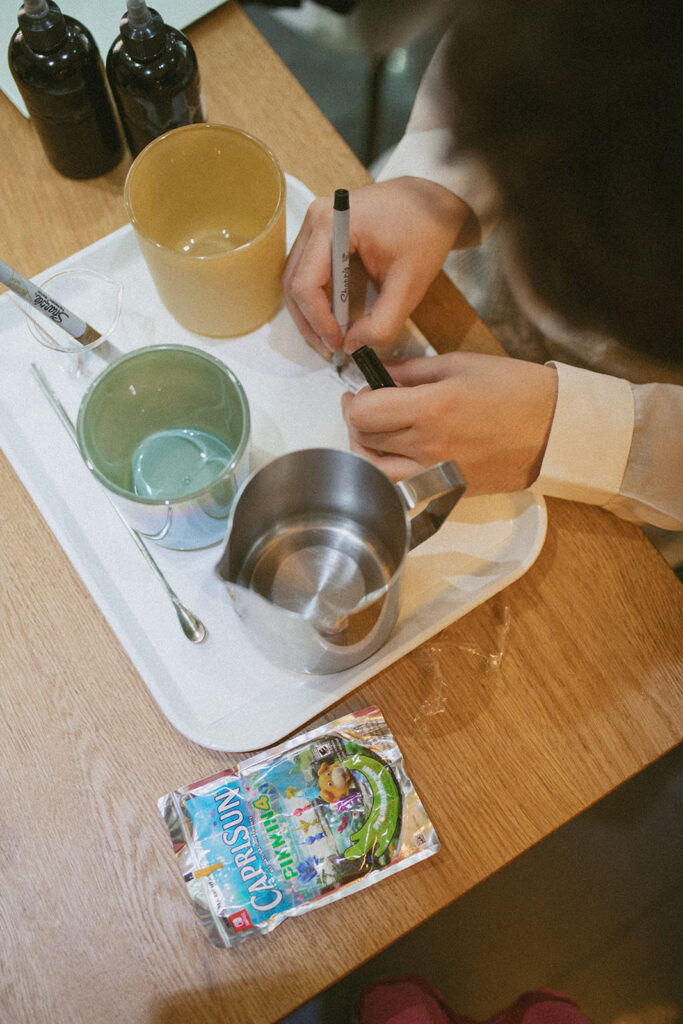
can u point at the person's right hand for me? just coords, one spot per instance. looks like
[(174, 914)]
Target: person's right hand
[(402, 230), (491, 414)]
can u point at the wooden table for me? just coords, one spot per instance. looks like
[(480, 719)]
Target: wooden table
[(94, 924)]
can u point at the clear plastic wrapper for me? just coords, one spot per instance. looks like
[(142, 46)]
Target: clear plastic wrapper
[(439, 661), (295, 827)]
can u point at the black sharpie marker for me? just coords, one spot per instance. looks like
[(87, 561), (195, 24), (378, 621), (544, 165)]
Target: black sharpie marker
[(340, 268)]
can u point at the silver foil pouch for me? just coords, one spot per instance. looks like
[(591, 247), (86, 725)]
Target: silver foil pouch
[(316, 818)]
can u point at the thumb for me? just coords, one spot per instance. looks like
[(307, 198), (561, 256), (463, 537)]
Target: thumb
[(393, 305)]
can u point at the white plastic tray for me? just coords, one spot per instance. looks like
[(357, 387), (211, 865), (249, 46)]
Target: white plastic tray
[(224, 694)]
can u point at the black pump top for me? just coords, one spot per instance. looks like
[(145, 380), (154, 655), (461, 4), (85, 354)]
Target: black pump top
[(143, 31), (42, 25)]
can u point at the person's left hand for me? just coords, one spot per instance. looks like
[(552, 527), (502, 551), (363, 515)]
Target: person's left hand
[(491, 414)]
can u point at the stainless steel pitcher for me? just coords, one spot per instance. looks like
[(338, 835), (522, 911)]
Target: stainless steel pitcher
[(316, 545)]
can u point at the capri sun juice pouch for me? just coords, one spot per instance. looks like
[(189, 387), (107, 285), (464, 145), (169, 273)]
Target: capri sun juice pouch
[(297, 826)]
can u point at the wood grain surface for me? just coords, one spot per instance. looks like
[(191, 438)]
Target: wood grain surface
[(511, 721)]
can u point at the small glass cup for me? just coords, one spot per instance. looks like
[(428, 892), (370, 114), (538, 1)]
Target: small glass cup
[(88, 294)]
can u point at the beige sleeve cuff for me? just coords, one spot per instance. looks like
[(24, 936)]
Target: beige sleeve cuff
[(590, 437)]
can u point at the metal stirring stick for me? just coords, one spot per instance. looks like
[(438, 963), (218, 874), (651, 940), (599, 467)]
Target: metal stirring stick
[(192, 627)]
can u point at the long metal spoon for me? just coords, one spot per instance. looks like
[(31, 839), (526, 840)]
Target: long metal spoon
[(192, 627)]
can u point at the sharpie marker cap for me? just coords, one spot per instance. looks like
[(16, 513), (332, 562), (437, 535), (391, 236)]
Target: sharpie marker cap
[(341, 199), (374, 371)]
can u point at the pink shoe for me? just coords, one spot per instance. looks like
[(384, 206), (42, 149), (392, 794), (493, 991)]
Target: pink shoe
[(411, 1000)]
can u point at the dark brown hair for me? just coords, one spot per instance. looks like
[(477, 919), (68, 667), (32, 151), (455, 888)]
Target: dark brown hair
[(575, 106)]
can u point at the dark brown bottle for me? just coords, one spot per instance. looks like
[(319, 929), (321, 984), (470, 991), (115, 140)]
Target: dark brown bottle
[(58, 70), (153, 73)]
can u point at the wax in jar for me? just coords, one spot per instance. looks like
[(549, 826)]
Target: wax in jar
[(173, 463)]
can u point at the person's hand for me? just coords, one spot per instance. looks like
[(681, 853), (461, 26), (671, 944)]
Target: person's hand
[(402, 230), (491, 414)]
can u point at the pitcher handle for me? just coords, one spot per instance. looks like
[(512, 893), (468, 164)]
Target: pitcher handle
[(441, 486)]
